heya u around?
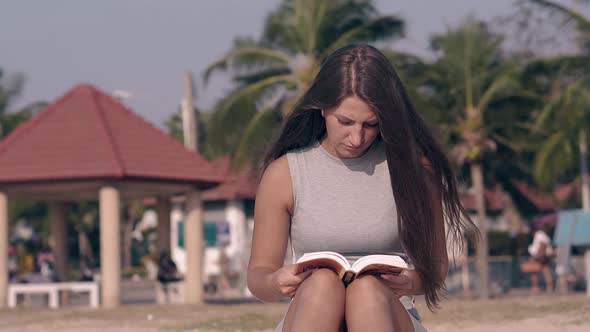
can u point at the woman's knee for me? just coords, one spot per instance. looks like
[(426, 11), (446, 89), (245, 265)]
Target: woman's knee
[(368, 288), (322, 285), (323, 280)]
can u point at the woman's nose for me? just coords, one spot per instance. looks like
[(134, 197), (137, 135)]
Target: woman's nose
[(356, 138)]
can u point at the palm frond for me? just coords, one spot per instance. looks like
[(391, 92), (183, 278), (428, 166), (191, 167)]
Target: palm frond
[(570, 15), (499, 85), (565, 107), (247, 58), (343, 16), (554, 157), (382, 28), (255, 138), (308, 21), (557, 64), (255, 90), (10, 88), (288, 103), (260, 75), (236, 110), (515, 145), (226, 125), (279, 31)]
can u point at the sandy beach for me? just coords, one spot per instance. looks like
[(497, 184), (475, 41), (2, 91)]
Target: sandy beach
[(510, 313)]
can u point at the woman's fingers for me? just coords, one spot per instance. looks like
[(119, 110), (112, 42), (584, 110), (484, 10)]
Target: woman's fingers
[(399, 280), (297, 278), (392, 279), (289, 282), (303, 275), (400, 284)]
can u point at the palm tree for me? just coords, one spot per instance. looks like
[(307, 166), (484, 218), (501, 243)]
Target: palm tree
[(10, 89), (565, 119), (173, 126), (469, 80), (558, 153), (272, 73)]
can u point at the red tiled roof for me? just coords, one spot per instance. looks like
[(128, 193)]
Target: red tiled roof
[(87, 134), (493, 200), (239, 186), (548, 201), (564, 191), (541, 200)]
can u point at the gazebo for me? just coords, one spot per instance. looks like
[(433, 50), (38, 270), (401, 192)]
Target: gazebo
[(88, 146)]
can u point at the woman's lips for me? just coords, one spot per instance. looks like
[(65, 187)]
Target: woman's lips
[(352, 149)]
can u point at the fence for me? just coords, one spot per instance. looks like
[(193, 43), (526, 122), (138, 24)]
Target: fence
[(505, 274)]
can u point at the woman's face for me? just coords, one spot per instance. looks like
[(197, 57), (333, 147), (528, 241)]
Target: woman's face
[(351, 128)]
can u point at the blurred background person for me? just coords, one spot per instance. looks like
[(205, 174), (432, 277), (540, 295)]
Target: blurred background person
[(541, 252)]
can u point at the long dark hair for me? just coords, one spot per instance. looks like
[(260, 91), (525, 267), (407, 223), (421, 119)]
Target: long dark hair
[(364, 72)]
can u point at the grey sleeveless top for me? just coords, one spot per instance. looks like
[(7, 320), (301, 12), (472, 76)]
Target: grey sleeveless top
[(342, 205)]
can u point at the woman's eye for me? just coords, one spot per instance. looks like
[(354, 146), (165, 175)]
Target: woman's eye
[(344, 122), (372, 125)]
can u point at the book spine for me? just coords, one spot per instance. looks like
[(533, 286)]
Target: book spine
[(348, 277)]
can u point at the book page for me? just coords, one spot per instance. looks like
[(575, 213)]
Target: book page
[(379, 264), (323, 259)]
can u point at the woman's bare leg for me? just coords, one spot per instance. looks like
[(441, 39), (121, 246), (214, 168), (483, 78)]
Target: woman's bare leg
[(534, 283), (548, 279), (318, 304), (372, 306)]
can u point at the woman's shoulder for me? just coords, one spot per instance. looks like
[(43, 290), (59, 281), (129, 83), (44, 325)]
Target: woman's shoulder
[(303, 150), (277, 168), (275, 184), (277, 173)]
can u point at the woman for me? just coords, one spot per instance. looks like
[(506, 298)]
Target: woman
[(541, 252), (354, 170)]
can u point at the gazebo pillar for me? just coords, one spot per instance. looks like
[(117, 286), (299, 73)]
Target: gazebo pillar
[(110, 246), (193, 242), (236, 214), (3, 250), (164, 208), (59, 232)]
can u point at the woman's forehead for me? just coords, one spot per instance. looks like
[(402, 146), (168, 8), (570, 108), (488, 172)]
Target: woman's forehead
[(354, 107)]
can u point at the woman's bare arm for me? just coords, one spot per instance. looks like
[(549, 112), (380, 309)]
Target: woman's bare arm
[(274, 203)]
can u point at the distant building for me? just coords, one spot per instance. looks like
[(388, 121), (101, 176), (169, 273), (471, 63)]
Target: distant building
[(228, 221)]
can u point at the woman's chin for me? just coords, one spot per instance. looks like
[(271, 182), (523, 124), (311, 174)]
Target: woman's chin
[(350, 153)]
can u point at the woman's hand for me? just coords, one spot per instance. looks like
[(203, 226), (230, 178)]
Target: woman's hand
[(408, 282), (285, 280)]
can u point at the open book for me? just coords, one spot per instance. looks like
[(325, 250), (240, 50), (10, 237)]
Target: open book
[(371, 264)]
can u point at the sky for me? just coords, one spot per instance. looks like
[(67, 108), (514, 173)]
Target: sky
[(144, 46)]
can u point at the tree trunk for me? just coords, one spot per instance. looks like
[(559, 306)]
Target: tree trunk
[(465, 271), (584, 171), (482, 248), (189, 122), (585, 194)]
